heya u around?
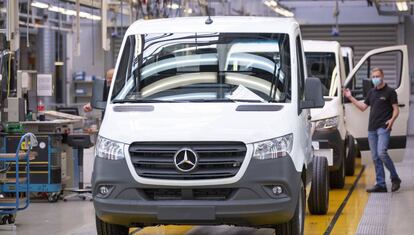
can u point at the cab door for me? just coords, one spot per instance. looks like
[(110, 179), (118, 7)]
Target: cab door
[(394, 61)]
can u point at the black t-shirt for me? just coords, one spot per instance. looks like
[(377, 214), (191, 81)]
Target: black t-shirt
[(381, 101)]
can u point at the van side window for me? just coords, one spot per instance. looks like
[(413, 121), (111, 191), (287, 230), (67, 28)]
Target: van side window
[(390, 62), (126, 66), (301, 73)]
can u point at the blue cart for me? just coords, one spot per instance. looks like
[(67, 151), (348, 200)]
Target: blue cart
[(18, 198), (45, 170)]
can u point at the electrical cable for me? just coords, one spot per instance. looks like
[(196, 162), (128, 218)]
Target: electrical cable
[(27, 24), (93, 37), (8, 75)]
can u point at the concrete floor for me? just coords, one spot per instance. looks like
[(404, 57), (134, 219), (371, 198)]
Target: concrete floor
[(77, 217)]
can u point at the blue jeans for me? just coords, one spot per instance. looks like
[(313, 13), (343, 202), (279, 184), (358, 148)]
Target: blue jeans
[(378, 143)]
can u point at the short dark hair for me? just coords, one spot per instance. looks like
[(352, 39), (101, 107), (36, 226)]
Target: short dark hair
[(378, 69)]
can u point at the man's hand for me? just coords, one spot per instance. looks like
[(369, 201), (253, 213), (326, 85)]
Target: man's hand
[(347, 93), (389, 124), (360, 105), (87, 108)]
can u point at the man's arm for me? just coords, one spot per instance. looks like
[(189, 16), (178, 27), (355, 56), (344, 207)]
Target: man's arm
[(360, 105), (395, 113)]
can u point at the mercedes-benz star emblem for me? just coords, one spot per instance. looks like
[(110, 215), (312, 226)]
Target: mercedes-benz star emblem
[(185, 160)]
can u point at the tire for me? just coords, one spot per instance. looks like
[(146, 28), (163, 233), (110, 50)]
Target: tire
[(296, 224), (318, 201), (337, 178), (53, 197), (11, 219), (350, 157), (104, 228)]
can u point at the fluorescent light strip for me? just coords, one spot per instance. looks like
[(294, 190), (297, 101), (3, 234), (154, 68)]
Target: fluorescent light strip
[(40, 5), (64, 11), (402, 6)]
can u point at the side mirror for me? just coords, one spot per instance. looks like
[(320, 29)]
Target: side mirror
[(366, 86), (97, 100), (313, 94)]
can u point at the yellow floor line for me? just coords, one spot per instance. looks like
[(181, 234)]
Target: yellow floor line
[(163, 230), (350, 217), (348, 223), (314, 224)]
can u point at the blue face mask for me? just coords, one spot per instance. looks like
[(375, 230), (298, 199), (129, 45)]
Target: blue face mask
[(376, 81)]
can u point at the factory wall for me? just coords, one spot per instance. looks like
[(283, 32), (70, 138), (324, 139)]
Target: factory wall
[(91, 54)]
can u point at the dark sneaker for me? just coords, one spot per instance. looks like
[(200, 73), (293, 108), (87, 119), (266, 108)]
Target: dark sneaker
[(377, 189), (395, 185)]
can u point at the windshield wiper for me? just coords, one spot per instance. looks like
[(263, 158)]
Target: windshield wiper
[(140, 101), (247, 100), (187, 101), (225, 100)]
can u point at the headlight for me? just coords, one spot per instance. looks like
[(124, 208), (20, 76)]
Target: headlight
[(273, 148), (109, 149), (327, 123)]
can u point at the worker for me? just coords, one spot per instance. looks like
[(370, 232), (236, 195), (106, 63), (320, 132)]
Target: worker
[(384, 111), (109, 74)]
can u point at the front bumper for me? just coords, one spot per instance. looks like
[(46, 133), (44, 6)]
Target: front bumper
[(331, 139), (250, 202)]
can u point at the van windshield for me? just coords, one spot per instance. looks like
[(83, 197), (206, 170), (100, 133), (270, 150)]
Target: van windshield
[(204, 67), (323, 66)]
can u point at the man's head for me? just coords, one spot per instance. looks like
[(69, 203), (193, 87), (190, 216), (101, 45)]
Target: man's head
[(377, 76), (109, 75)]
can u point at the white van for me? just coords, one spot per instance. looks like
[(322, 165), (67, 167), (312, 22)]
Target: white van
[(339, 123), (203, 125), (331, 139)]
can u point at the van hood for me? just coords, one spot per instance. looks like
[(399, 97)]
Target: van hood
[(129, 123), (331, 109)]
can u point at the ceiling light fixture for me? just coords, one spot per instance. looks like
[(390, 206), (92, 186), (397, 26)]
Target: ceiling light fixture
[(279, 9), (40, 5), (174, 6), (64, 11), (402, 6)]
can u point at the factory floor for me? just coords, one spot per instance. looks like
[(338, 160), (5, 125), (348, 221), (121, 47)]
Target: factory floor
[(351, 211)]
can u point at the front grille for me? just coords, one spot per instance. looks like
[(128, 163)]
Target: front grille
[(215, 159), (188, 194)]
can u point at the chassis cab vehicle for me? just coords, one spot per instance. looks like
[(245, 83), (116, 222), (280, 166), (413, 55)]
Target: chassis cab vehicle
[(205, 125), (341, 129), (331, 139)]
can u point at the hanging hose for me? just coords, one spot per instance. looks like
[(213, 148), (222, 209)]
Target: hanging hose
[(8, 75), (27, 24)]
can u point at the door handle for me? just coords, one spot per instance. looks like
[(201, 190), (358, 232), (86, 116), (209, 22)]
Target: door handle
[(401, 105)]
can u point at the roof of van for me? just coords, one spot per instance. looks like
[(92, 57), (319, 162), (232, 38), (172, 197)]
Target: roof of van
[(220, 24), (321, 46)]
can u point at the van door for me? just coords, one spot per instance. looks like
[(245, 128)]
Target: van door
[(394, 61)]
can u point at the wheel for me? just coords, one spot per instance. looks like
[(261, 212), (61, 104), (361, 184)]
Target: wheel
[(11, 219), (104, 228), (318, 201), (3, 219), (296, 224), (351, 153), (53, 197), (337, 178)]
